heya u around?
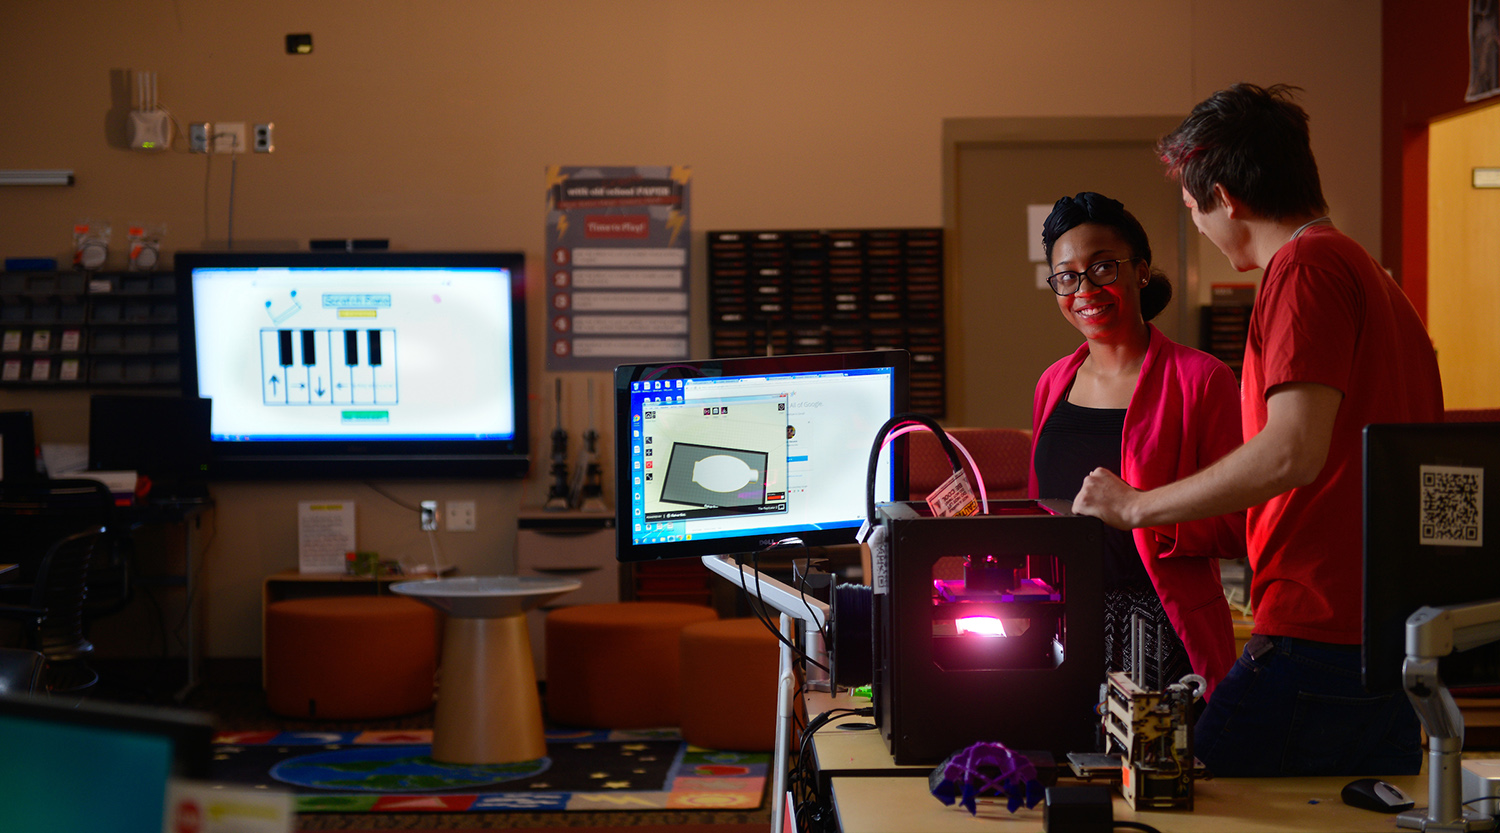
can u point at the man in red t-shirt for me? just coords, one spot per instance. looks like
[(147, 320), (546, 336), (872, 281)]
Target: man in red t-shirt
[(1334, 345)]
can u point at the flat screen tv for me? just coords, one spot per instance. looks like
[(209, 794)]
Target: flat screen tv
[(357, 365), (729, 456), (1432, 537)]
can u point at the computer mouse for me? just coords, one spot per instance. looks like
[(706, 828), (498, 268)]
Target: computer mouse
[(1375, 794)]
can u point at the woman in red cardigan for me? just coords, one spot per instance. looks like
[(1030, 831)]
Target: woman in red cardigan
[(1151, 410)]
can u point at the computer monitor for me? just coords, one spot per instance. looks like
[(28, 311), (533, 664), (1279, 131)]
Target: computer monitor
[(1432, 537), (164, 438), (732, 455), (357, 365), (70, 765)]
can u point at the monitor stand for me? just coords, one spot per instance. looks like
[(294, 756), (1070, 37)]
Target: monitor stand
[(793, 605), (1432, 633)]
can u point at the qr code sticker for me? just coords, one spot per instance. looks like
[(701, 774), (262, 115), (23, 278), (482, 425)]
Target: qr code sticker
[(1452, 506)]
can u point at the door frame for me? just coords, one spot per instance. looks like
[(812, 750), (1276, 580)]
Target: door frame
[(1061, 131)]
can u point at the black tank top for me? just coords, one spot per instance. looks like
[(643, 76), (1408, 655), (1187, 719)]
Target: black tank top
[(1075, 441)]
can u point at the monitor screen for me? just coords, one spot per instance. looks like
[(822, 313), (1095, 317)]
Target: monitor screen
[(365, 364), (164, 438), (731, 455), (1432, 537), (70, 765)]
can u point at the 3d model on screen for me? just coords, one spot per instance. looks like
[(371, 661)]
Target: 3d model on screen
[(701, 475)]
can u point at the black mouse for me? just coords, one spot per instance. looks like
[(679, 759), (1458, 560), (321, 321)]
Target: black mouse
[(1375, 794)]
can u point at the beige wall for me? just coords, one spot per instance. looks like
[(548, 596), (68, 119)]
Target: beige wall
[(1462, 251), (430, 123)]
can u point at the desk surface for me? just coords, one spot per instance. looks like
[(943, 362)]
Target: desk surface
[(1221, 805)]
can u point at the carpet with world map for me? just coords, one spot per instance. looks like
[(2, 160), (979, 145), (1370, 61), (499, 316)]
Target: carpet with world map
[(392, 772)]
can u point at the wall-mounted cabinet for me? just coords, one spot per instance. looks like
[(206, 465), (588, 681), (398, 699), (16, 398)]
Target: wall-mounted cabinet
[(76, 329), (829, 291)]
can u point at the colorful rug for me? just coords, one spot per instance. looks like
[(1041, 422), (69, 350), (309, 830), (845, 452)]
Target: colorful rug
[(391, 772)]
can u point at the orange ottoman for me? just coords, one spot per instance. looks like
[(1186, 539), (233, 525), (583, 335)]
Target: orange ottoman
[(723, 660), (350, 657), (615, 666)]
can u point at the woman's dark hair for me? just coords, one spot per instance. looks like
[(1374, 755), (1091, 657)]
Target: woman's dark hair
[(1089, 207), (1253, 141)]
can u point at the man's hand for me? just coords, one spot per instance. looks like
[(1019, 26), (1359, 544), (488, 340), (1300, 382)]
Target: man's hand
[(1105, 496)]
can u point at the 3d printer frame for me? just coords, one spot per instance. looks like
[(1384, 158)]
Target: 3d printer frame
[(936, 693)]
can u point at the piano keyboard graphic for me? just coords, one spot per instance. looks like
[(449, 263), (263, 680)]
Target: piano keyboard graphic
[(328, 367)]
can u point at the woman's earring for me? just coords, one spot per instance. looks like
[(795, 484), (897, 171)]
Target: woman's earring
[(1145, 281)]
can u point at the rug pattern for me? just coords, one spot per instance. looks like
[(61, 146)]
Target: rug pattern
[(392, 772)]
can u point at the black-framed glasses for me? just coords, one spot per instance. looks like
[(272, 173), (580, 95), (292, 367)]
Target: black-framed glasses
[(1101, 274)]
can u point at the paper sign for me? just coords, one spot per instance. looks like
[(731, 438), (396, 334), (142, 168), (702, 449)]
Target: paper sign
[(1036, 217), (223, 808), (325, 532)]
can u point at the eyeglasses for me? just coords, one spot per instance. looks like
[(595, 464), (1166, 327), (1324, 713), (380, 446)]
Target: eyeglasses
[(1101, 274)]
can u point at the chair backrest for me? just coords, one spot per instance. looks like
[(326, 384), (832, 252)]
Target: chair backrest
[(60, 589), (1002, 454), (35, 514)]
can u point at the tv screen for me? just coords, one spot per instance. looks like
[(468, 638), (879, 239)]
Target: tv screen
[(732, 455), (1432, 537), (357, 365)]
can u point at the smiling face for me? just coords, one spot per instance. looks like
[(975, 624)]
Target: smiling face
[(1106, 313)]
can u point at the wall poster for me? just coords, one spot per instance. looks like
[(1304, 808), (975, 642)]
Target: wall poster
[(617, 265), (1484, 49)]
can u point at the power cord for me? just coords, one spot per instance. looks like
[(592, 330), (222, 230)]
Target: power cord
[(812, 811), (759, 609)]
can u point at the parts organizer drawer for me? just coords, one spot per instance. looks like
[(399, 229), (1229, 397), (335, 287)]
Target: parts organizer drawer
[(73, 328)]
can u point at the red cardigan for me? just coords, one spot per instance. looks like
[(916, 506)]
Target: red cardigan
[(1184, 415)]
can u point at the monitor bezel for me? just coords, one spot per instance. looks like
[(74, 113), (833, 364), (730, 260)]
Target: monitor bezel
[(361, 458), (190, 732), (626, 551)]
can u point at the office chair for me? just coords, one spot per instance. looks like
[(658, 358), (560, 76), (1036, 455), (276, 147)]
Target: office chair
[(52, 528), (50, 611)]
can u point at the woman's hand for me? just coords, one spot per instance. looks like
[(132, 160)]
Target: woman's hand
[(1106, 497)]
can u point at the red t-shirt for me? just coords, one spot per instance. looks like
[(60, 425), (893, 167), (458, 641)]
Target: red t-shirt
[(1328, 313)]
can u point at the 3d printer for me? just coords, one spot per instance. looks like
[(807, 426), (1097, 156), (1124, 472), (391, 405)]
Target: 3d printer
[(988, 628)]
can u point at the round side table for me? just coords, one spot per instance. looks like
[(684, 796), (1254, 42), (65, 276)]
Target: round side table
[(488, 711)]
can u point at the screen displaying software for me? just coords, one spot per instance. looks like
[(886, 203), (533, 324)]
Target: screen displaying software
[(390, 353), (774, 454)]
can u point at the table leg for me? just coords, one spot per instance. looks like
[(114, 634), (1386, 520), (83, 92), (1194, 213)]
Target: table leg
[(488, 711)]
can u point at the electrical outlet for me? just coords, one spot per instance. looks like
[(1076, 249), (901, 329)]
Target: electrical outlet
[(229, 137), (198, 137), (429, 515), (262, 138), (460, 516)]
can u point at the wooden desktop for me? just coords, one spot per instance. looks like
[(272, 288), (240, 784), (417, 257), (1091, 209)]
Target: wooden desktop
[(870, 794)]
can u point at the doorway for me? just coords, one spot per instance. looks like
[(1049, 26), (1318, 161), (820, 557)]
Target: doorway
[(1004, 328), (1463, 250)]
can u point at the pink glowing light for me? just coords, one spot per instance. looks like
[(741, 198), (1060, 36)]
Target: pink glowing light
[(981, 625)]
